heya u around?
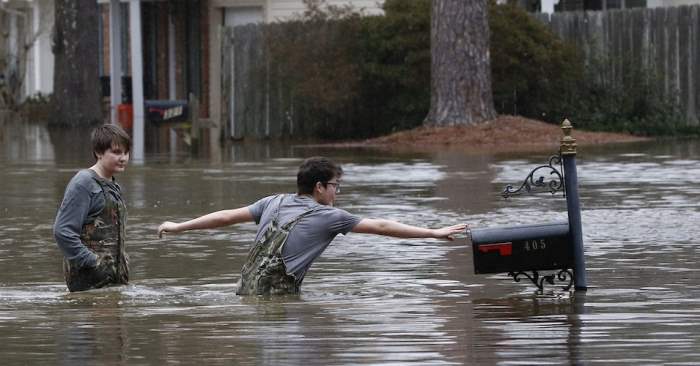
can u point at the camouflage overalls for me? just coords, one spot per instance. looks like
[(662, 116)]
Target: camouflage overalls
[(104, 237), (264, 272)]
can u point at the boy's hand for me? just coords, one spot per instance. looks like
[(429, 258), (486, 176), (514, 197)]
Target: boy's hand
[(167, 227), (449, 232)]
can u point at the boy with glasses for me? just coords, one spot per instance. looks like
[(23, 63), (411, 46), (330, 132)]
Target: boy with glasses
[(295, 229)]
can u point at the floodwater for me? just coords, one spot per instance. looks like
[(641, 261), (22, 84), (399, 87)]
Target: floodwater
[(368, 300)]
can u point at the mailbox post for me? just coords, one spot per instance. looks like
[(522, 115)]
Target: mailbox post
[(518, 250), (568, 153)]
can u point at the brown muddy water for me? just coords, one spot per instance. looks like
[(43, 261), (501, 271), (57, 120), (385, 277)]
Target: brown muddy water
[(368, 300)]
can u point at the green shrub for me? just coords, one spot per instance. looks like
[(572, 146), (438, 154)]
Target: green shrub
[(396, 67), (533, 71), (351, 76)]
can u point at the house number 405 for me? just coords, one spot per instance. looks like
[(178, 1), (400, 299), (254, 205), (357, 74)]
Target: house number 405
[(537, 244)]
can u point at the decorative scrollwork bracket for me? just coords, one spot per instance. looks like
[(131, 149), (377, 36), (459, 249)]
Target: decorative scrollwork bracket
[(539, 184), (565, 276)]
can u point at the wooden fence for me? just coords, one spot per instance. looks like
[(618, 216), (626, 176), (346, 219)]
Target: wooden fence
[(663, 41)]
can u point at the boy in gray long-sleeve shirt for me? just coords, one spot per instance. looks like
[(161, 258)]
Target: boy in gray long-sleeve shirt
[(82, 202), (89, 226)]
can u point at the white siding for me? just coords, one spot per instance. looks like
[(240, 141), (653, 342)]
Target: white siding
[(665, 3), (280, 10), (40, 60), (242, 15)]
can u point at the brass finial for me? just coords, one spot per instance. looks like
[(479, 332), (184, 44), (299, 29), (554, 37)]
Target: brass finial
[(568, 143)]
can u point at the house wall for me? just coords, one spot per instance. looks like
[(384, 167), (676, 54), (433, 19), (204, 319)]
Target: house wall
[(187, 44), (280, 10)]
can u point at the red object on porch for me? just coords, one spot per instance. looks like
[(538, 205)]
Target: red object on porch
[(125, 113)]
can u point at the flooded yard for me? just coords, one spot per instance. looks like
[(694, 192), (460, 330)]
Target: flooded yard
[(368, 299)]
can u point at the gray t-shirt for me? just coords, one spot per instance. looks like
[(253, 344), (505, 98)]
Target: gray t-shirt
[(82, 202), (311, 235)]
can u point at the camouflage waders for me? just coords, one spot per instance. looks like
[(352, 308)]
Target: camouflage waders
[(264, 271), (104, 237)]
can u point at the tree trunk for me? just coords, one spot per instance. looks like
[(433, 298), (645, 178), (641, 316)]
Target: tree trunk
[(77, 94), (461, 66)]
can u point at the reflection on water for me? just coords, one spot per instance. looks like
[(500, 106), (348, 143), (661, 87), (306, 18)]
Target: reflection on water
[(20, 140), (367, 300)]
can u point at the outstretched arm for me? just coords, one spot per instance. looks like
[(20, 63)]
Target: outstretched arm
[(399, 230), (209, 221)]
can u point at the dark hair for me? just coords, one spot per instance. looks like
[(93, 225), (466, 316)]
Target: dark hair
[(109, 135), (316, 169)]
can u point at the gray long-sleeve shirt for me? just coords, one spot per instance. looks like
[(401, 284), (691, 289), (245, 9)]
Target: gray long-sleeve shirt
[(82, 203)]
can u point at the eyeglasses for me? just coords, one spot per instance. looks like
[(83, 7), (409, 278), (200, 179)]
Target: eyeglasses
[(336, 185)]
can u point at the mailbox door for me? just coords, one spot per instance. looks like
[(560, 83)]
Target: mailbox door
[(546, 253), (160, 111)]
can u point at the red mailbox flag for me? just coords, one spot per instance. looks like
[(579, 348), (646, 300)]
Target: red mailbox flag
[(504, 249)]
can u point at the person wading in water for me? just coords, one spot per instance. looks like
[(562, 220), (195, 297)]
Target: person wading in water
[(89, 227), (294, 229)]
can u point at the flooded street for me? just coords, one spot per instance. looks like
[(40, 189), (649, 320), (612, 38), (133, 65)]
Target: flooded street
[(368, 299)]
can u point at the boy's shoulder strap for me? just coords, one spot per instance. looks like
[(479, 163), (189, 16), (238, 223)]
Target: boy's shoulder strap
[(290, 224), (295, 220), (275, 215)]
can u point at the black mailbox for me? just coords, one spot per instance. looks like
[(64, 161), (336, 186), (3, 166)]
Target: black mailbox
[(162, 111), (522, 248)]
